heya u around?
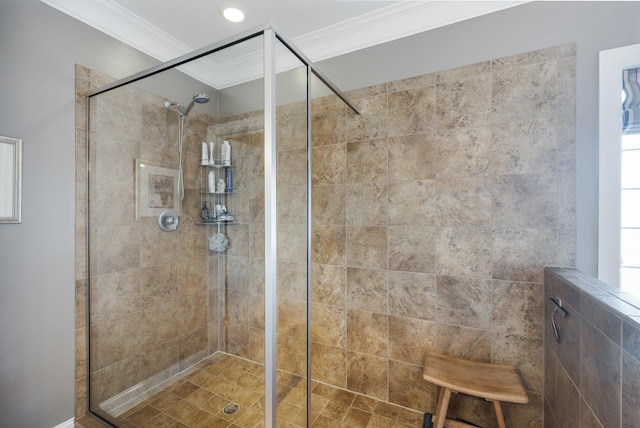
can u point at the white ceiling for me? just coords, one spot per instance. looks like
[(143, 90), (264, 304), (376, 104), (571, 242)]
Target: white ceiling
[(321, 29)]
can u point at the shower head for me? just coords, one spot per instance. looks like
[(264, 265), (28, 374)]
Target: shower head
[(201, 98), (198, 98)]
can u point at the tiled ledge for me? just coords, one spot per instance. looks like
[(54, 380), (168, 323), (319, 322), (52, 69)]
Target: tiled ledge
[(592, 374), (623, 304)]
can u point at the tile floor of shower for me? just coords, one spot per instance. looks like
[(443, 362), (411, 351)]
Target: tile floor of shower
[(197, 398)]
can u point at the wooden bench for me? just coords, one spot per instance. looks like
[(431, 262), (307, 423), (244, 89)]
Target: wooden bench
[(493, 382)]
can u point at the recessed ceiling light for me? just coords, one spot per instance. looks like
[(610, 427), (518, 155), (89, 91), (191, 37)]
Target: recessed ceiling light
[(233, 14)]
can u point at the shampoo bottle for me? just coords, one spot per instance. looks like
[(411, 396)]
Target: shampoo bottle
[(229, 181), (211, 182), (205, 154), (205, 212), (226, 153), (211, 161)]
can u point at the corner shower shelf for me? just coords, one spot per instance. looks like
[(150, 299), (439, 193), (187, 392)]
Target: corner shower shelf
[(207, 192), (216, 166), (215, 198), (217, 222)]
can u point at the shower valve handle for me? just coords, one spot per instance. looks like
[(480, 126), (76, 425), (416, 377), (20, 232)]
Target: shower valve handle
[(168, 220)]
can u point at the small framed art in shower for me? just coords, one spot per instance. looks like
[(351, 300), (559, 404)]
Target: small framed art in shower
[(156, 190)]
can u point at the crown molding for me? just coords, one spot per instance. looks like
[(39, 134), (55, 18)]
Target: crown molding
[(398, 20), (392, 22), (120, 23)]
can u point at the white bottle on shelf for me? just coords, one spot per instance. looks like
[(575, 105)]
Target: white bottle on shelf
[(226, 153), (211, 161), (211, 182), (220, 188), (205, 154)]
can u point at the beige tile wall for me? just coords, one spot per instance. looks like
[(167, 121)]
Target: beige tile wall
[(435, 213)]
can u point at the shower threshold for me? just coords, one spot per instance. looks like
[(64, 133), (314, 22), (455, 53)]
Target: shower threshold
[(220, 391), (199, 396)]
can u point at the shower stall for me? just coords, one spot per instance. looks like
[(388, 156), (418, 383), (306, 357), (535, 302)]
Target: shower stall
[(180, 326)]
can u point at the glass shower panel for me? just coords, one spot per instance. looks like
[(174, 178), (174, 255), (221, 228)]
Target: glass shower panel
[(170, 312), (292, 240), (149, 311), (328, 319)]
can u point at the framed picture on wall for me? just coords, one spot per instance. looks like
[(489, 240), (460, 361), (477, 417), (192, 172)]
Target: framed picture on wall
[(10, 180), (156, 190)]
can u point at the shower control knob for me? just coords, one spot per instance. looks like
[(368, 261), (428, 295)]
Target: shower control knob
[(168, 220)]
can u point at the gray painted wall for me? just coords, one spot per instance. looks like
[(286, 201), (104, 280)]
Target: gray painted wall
[(38, 49)]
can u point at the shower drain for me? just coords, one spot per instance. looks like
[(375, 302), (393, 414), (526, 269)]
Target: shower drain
[(231, 409)]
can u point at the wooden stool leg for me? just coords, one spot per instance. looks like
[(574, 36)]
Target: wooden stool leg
[(441, 409), (499, 416)]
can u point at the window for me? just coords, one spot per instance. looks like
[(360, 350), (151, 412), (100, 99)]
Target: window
[(630, 214), (619, 174)]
